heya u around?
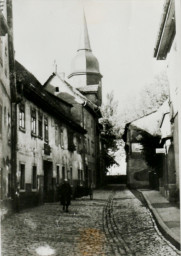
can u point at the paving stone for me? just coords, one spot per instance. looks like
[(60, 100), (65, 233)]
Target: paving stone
[(114, 223)]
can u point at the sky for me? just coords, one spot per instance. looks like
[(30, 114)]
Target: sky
[(122, 34)]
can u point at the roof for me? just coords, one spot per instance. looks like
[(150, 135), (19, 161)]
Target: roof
[(164, 110), (3, 25), (68, 93), (34, 91), (148, 123), (89, 89), (151, 122), (84, 63), (84, 43), (166, 31), (24, 76)]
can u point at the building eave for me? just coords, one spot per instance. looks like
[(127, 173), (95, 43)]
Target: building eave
[(166, 32), (3, 25), (29, 87), (163, 117), (45, 101), (85, 73)]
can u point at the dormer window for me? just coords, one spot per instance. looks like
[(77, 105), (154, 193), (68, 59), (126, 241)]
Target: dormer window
[(57, 89)]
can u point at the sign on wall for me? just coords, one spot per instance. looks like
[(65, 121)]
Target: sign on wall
[(137, 147), (160, 150)]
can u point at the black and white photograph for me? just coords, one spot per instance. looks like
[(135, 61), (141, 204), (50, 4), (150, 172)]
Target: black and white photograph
[(90, 137)]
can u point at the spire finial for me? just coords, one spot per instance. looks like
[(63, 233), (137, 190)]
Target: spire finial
[(84, 37), (55, 66)]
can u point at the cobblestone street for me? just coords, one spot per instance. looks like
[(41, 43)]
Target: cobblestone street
[(113, 223)]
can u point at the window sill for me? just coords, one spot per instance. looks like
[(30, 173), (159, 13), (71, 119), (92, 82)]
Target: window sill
[(34, 190), (33, 134), (22, 190), (22, 129)]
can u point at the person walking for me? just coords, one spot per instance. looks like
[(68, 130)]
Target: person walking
[(65, 193)]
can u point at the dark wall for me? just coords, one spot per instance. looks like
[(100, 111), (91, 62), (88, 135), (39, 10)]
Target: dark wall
[(117, 179)]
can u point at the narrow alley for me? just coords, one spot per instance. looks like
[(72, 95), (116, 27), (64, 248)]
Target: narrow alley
[(115, 222)]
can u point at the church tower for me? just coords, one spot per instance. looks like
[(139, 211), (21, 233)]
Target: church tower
[(85, 74)]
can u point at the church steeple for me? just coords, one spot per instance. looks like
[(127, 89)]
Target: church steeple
[(84, 43), (85, 73)]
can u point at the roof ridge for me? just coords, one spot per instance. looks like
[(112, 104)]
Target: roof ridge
[(142, 116)]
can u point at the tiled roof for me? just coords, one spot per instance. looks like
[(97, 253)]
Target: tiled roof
[(34, 91)]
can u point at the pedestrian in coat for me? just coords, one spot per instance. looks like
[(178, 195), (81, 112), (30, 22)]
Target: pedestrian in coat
[(65, 193)]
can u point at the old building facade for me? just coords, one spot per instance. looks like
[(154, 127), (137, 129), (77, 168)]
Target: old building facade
[(49, 145), (7, 97), (139, 173), (86, 114), (168, 177), (168, 48)]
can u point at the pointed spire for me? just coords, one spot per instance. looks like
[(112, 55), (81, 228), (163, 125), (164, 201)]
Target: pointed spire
[(84, 43)]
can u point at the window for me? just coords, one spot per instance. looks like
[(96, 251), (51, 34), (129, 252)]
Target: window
[(46, 128), (58, 174), (57, 135), (9, 120), (63, 172), (33, 121), (71, 145), (22, 116), (79, 144), (40, 125), (61, 138), (22, 176), (34, 177)]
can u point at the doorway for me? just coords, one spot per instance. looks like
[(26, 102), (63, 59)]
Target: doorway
[(48, 181)]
